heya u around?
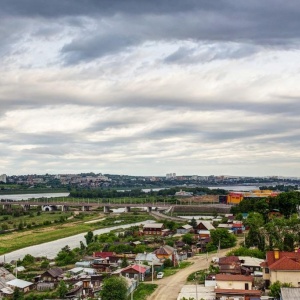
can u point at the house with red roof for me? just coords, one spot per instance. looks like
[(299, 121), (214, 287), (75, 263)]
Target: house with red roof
[(137, 272), (104, 255), (229, 265), (282, 266)]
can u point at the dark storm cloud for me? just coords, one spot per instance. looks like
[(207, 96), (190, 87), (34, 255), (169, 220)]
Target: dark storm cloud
[(270, 23), (184, 55), (88, 48), (58, 8), (259, 22)]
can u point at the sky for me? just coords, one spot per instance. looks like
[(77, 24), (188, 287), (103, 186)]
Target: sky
[(139, 87)]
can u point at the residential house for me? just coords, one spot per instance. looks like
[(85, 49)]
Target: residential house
[(80, 270), (229, 265), (201, 245), (76, 291), (137, 272), (235, 286), (103, 265), (238, 227), (282, 266), (203, 228), (52, 274), (24, 286), (5, 276), (104, 255), (242, 282), (83, 264), (251, 265), (167, 252), (184, 229), (153, 229)]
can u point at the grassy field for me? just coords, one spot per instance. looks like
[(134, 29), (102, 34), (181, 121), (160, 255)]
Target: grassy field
[(172, 270), (143, 291), (34, 218), (29, 237)]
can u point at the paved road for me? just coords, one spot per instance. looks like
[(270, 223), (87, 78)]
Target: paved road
[(169, 287)]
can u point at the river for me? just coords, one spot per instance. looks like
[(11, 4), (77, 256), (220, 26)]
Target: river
[(50, 249), (18, 197)]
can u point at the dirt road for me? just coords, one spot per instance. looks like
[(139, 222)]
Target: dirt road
[(169, 287)]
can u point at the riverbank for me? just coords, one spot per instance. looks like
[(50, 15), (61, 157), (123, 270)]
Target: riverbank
[(28, 237), (50, 249)]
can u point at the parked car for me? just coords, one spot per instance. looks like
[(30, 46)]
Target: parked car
[(160, 275)]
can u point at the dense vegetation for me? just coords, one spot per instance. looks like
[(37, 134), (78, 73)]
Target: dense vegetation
[(113, 193), (285, 203), (273, 222)]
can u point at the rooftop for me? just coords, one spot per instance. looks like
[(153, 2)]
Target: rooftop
[(225, 277), (19, 283), (290, 293)]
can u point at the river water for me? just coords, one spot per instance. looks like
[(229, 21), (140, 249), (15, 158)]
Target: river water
[(19, 197), (50, 249)]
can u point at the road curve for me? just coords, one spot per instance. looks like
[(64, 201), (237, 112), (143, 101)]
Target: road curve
[(169, 287)]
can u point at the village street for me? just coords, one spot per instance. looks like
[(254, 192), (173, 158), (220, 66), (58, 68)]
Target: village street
[(169, 287)]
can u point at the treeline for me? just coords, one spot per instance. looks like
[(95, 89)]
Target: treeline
[(280, 187), (113, 193), (285, 203)]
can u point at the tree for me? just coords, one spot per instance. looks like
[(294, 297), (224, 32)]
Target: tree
[(28, 260), (124, 263), (114, 288), (168, 263), (239, 217), (193, 223), (275, 288), (17, 294), (82, 245), (45, 264), (255, 221), (62, 289), (188, 238), (65, 256), (223, 237), (89, 237)]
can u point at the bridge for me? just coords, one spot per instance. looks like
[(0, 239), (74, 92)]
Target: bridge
[(50, 204)]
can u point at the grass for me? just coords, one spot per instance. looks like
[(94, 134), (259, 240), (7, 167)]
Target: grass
[(20, 239), (34, 218), (172, 270), (143, 291)]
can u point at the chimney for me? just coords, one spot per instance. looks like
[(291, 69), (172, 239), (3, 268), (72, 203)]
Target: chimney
[(276, 253)]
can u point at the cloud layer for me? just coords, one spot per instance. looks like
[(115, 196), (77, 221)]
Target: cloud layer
[(150, 87)]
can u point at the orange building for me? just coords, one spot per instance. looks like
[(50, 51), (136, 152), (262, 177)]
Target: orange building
[(234, 198)]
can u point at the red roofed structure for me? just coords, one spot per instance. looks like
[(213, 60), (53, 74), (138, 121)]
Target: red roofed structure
[(282, 266), (103, 255), (135, 271)]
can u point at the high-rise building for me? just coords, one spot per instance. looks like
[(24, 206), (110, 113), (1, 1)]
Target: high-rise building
[(3, 178)]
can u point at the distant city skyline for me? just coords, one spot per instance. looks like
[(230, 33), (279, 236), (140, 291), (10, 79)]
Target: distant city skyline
[(150, 87)]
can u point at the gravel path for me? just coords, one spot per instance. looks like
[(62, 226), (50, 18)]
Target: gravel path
[(169, 287)]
